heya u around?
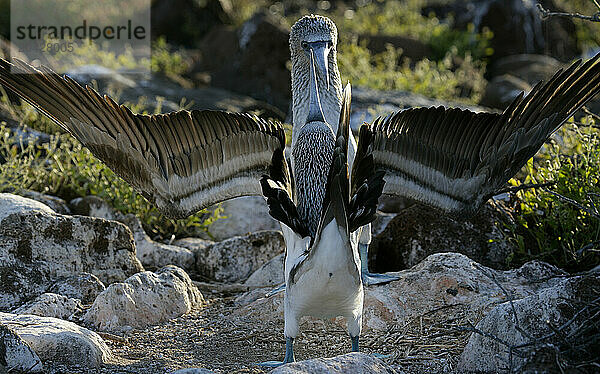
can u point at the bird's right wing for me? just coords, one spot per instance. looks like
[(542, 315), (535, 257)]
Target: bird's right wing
[(182, 161), (455, 159)]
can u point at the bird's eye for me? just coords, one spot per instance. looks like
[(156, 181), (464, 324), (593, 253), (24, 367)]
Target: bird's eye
[(305, 45)]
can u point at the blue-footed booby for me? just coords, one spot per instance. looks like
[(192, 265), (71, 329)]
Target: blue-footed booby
[(322, 264), (184, 161)]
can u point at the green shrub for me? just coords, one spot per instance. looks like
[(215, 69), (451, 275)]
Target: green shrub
[(167, 60), (549, 227), (436, 79)]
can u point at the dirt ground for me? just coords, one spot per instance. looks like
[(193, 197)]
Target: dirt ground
[(212, 337)]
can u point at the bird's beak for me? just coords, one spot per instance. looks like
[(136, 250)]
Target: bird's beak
[(321, 52)]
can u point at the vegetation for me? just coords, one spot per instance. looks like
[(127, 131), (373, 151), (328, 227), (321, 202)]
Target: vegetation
[(436, 79), (560, 224)]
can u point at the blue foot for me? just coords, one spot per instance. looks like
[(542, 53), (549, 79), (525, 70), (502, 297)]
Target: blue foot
[(289, 356), (276, 290), (354, 343), (271, 364), (370, 279)]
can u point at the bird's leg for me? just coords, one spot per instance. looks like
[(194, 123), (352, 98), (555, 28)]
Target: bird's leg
[(356, 349), (354, 343), (370, 279), (289, 355)]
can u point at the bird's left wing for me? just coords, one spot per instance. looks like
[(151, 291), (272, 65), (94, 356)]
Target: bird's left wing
[(182, 161), (455, 159)]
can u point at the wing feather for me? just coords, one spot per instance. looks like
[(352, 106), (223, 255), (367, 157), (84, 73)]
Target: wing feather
[(455, 159), (181, 161)]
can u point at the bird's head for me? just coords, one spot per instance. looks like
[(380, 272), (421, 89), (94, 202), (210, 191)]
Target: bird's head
[(316, 34)]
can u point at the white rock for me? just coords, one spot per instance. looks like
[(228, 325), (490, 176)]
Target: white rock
[(151, 254), (13, 204), (269, 274), (83, 286), (193, 244), (18, 355), (234, 260), (55, 203), (555, 305), (244, 215), (59, 341), (38, 245), (356, 363), (51, 305), (144, 299), (154, 254)]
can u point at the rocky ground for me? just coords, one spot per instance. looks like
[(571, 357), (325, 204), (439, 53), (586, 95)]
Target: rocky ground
[(447, 313)]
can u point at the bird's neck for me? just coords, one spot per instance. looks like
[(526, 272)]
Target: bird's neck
[(331, 99)]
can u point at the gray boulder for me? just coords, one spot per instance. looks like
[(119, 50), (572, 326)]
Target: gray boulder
[(251, 60), (144, 299), (529, 67), (59, 341), (38, 245), (564, 314), (243, 215), (269, 274), (16, 354), (418, 231), (502, 90), (55, 203), (234, 260), (193, 244), (155, 254), (83, 286), (358, 363), (51, 305), (151, 254)]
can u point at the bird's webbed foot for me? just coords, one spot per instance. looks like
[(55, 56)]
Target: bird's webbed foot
[(289, 355), (370, 279), (276, 290)]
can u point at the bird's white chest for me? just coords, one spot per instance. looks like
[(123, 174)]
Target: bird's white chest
[(328, 284)]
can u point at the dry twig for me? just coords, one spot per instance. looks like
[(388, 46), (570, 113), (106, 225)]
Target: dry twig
[(574, 203), (525, 187), (546, 14)]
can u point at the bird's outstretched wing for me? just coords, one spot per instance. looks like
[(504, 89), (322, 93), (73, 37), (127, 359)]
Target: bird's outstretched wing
[(182, 161), (456, 160)]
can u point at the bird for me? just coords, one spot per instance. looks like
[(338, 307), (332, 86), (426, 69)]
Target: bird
[(318, 35), (451, 159), (322, 263)]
